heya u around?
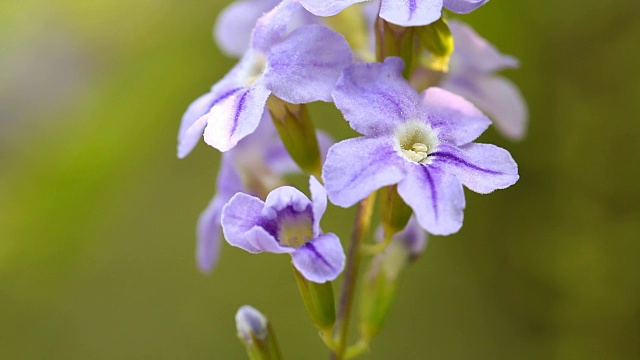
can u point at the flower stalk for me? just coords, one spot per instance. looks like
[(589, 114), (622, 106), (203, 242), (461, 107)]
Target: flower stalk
[(360, 230)]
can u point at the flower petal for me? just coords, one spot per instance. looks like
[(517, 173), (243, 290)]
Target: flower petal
[(463, 6), (457, 120), (356, 167), (498, 97), (239, 216), (374, 98), (327, 7), (209, 230), (235, 117), (437, 198), (235, 24), (195, 118), (473, 52), (262, 240), (320, 260), (411, 12), (272, 27), (285, 197), (306, 65), (319, 200), (482, 168), (413, 237), (208, 235)]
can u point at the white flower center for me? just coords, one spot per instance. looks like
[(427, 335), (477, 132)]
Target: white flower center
[(254, 68), (416, 140)]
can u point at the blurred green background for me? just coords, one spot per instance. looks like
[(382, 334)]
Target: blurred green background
[(97, 214)]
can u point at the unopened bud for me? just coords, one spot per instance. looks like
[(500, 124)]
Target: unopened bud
[(437, 39), (381, 282), (255, 332), (251, 324), (297, 134)]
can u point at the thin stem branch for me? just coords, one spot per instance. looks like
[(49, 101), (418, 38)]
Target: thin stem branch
[(361, 227)]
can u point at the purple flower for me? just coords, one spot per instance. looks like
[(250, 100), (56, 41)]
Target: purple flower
[(399, 12), (472, 75), (256, 166), (298, 67), (423, 143), (286, 222)]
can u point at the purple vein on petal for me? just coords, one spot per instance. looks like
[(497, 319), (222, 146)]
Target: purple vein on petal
[(315, 252), (412, 8), (455, 159), (224, 96), (238, 111), (382, 156), (432, 188)]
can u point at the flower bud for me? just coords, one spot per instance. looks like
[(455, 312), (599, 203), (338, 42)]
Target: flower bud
[(395, 40), (255, 332), (394, 213), (381, 281), (297, 134), (437, 39)]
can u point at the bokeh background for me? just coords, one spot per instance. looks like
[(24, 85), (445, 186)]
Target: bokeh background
[(97, 214)]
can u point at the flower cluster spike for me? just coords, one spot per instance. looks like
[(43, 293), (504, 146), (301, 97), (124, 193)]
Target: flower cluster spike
[(419, 119)]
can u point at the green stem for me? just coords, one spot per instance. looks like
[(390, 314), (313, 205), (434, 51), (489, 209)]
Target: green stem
[(362, 224)]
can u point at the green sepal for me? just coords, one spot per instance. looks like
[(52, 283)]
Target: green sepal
[(378, 293), (394, 212), (266, 349), (297, 133), (395, 40), (438, 40), (319, 301)]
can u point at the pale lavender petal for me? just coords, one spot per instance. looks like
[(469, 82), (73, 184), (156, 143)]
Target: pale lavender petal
[(282, 198), (306, 65), (209, 230), (272, 27), (482, 168), (208, 233), (235, 24), (375, 98), (356, 167), (263, 240), (242, 213), (411, 12), (436, 197), (193, 123), (228, 181), (475, 53), (235, 117), (321, 259), (319, 200), (498, 97), (463, 6), (195, 118), (456, 120), (327, 7), (254, 144), (412, 237)]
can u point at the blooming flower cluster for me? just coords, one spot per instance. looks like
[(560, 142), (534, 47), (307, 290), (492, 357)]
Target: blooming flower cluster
[(417, 144)]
